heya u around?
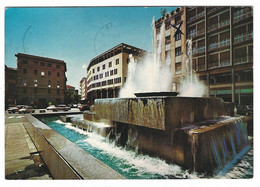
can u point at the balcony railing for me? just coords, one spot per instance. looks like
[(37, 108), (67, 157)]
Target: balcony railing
[(224, 63), (194, 33), (200, 14), (198, 50), (216, 45), (245, 59), (213, 64), (238, 16), (201, 67), (243, 37), (218, 25)]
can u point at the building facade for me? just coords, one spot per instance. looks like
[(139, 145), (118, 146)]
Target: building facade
[(83, 89), (10, 86), (107, 72), (40, 81), (222, 49)]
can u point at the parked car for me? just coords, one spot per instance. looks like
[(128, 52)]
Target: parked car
[(60, 107), (245, 110), (51, 107), (84, 107), (12, 109), (26, 109)]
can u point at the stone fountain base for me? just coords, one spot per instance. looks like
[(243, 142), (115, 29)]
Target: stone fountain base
[(196, 133)]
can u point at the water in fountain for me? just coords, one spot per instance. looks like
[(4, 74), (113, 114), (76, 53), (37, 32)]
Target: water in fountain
[(191, 86), (147, 74)]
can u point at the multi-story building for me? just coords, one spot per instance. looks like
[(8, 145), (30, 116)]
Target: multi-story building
[(40, 81), (83, 89), (107, 72), (10, 86), (222, 49), (173, 49)]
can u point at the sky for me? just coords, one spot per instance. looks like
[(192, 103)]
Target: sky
[(76, 34)]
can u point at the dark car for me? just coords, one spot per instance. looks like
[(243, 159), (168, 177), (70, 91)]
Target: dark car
[(84, 107), (245, 110), (12, 109)]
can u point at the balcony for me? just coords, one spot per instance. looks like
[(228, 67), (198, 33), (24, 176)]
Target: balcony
[(218, 25), (238, 16), (216, 45), (213, 65), (201, 67), (195, 33), (224, 63), (241, 60), (243, 37), (198, 50), (199, 15)]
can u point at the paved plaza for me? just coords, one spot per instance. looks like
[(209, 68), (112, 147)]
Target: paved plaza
[(22, 161)]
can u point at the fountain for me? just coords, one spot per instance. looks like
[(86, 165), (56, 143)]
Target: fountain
[(199, 133)]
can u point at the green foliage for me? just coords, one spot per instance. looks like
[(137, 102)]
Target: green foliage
[(163, 12)]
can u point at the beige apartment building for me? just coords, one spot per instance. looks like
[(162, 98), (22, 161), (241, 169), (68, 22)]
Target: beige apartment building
[(107, 72)]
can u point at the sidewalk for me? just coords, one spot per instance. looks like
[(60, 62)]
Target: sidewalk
[(21, 158)]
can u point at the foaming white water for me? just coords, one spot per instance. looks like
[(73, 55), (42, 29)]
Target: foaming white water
[(143, 163), (147, 74), (190, 85)]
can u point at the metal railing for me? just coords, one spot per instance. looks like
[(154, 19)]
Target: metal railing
[(243, 37), (218, 25), (216, 45)]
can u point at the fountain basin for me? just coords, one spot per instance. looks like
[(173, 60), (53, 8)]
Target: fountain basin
[(160, 112)]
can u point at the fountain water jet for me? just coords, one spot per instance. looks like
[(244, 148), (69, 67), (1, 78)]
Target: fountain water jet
[(195, 132)]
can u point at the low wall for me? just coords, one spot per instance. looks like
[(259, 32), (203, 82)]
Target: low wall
[(65, 159)]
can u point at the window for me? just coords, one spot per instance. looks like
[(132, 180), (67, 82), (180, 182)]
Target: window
[(35, 63), (24, 70), (57, 66), (117, 61), (107, 74), (49, 83), (58, 84), (110, 81), (49, 73), (24, 90), (117, 80), (104, 66), (24, 61), (42, 73), (127, 60), (35, 90), (42, 64), (101, 76), (58, 74), (93, 70), (98, 68), (178, 36), (35, 81), (58, 91), (35, 72), (49, 91), (111, 72), (24, 82), (178, 51), (49, 65), (110, 64), (115, 71)]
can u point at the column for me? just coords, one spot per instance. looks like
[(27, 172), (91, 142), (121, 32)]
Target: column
[(233, 85), (208, 84)]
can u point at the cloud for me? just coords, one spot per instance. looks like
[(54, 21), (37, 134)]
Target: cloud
[(84, 66)]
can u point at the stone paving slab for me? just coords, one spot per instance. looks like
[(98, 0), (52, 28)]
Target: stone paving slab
[(19, 162)]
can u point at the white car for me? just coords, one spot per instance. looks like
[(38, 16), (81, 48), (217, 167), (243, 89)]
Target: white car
[(51, 107), (26, 109)]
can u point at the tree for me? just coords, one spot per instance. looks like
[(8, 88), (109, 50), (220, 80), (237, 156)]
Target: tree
[(163, 12)]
